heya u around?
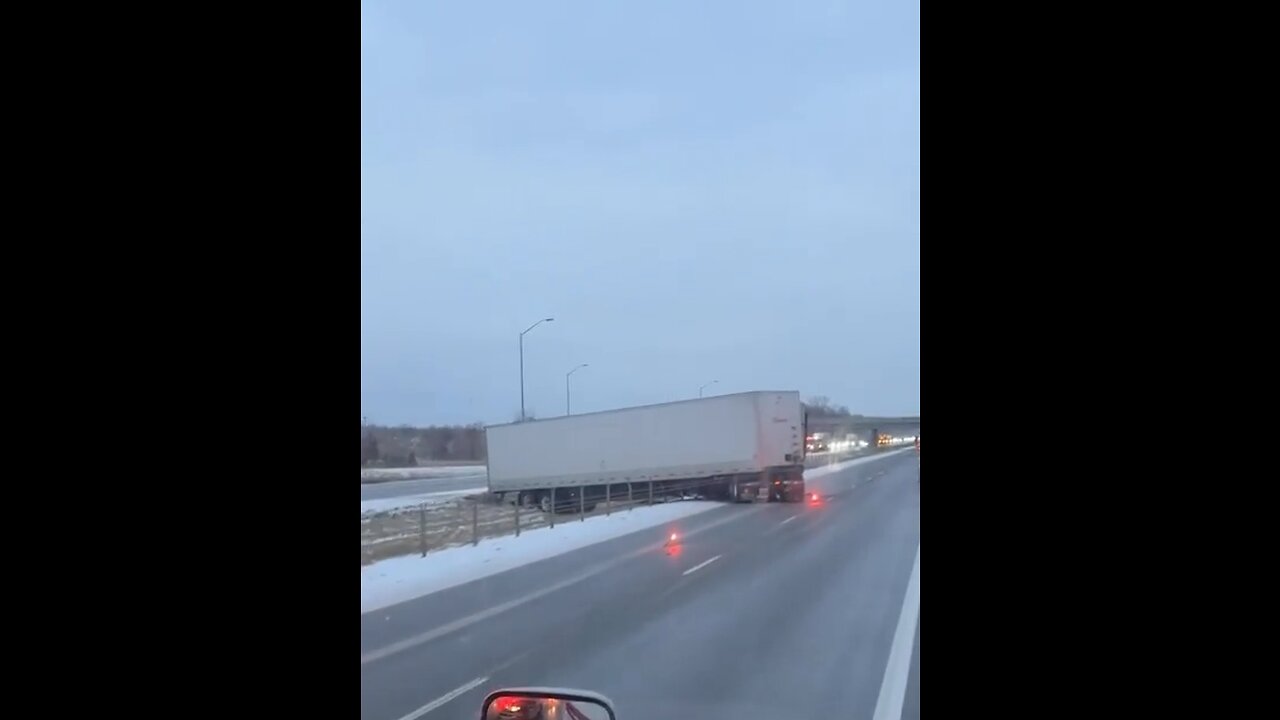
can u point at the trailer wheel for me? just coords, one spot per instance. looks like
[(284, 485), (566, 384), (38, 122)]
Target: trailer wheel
[(545, 504), (526, 499)]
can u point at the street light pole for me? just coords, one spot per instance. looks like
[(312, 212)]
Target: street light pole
[(566, 386), (522, 362), (713, 382)]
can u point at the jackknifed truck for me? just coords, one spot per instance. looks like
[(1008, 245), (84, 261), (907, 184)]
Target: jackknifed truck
[(744, 447)]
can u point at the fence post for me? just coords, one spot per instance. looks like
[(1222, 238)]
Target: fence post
[(475, 523), (631, 500), (650, 492), (582, 504), (517, 516), (422, 529), (607, 489), (553, 508)]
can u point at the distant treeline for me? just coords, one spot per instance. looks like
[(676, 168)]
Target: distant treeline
[(407, 446), (820, 406)]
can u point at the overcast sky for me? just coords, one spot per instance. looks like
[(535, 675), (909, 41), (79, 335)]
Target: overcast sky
[(695, 191)]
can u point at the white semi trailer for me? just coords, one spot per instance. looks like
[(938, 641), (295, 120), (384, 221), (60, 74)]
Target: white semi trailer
[(742, 447)]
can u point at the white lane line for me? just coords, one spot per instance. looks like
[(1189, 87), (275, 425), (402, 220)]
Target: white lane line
[(460, 623), (444, 699), (893, 689), (701, 565), (438, 632), (793, 517)]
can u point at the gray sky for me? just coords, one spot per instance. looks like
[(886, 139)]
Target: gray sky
[(695, 191)]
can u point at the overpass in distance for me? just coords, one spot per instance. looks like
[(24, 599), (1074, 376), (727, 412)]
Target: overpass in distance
[(838, 425)]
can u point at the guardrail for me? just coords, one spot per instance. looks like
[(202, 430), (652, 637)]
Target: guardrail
[(433, 526)]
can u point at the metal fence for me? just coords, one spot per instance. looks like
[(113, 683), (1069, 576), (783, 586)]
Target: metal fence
[(429, 527)]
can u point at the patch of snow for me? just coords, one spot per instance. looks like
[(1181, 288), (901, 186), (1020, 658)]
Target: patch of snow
[(412, 501), (396, 580)]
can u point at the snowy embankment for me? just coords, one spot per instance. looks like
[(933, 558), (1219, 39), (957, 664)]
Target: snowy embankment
[(398, 579), (403, 578), (819, 472)]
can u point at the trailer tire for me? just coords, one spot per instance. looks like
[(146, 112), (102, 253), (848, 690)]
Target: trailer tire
[(545, 504), (526, 499)]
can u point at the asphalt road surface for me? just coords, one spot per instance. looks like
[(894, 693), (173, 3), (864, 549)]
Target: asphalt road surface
[(764, 611)]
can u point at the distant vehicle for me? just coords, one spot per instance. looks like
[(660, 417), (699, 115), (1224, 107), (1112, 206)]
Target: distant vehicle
[(884, 441), (741, 447)]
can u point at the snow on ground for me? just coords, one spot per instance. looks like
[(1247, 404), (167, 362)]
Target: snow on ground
[(419, 473), (399, 579), (396, 580), (815, 473), (406, 501)]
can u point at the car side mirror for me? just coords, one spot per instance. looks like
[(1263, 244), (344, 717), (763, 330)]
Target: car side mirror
[(543, 703)]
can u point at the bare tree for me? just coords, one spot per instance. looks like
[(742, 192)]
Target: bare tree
[(406, 445)]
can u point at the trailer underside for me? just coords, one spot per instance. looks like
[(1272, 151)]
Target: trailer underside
[(778, 484)]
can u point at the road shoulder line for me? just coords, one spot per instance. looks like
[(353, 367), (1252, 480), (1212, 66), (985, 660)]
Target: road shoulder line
[(893, 688)]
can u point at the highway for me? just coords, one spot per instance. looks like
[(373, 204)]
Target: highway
[(764, 611), (466, 479)]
